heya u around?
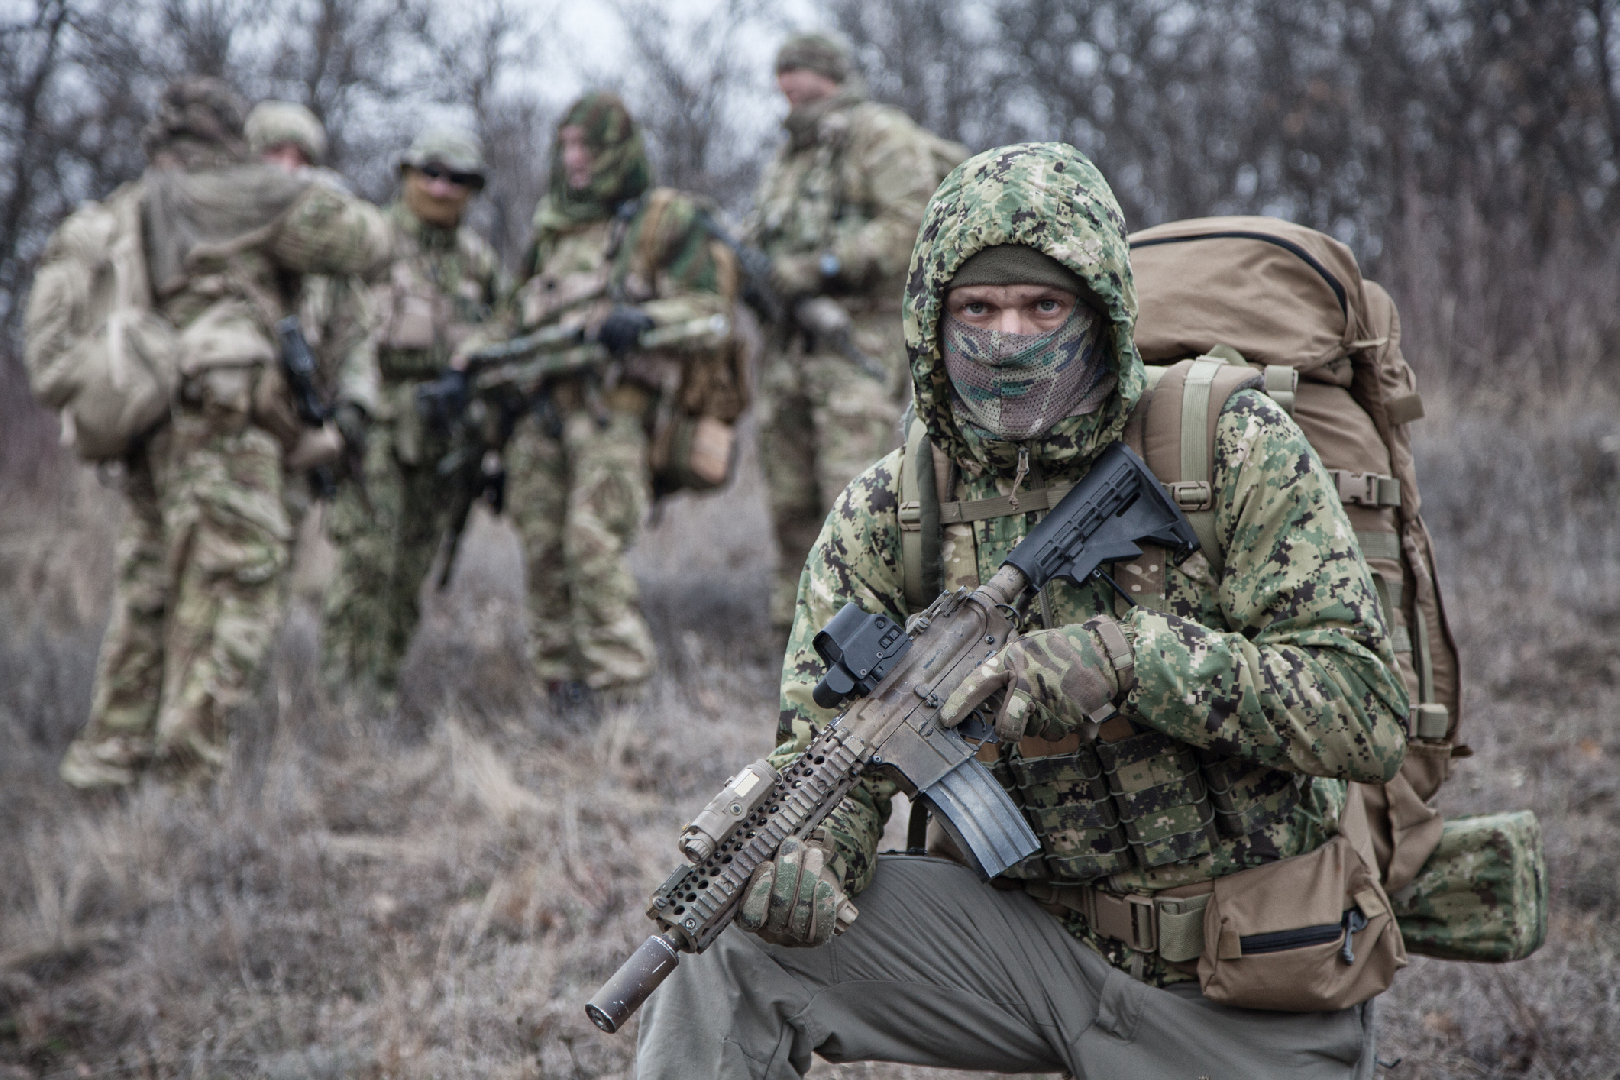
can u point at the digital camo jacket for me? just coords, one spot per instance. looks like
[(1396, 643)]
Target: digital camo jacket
[(1279, 668)]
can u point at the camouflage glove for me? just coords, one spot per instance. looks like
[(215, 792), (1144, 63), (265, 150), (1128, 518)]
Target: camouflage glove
[(621, 331), (796, 899), (1056, 680), (796, 275)]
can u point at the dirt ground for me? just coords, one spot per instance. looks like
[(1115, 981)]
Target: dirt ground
[(435, 894)]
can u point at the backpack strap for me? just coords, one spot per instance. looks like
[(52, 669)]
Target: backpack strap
[(1177, 431)]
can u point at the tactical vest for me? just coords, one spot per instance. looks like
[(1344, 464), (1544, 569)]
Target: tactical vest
[(809, 217), (433, 301), (1089, 803)]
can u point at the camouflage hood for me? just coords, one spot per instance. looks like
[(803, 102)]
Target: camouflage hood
[(1050, 197), (619, 167)]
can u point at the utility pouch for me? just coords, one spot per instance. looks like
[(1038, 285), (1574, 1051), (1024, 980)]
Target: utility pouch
[(1066, 798), (1158, 794), (694, 453), (1313, 933), (1482, 894)]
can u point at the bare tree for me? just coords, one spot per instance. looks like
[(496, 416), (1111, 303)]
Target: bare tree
[(689, 84)]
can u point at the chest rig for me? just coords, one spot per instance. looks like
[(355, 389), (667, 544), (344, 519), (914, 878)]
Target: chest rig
[(1132, 799), (433, 301)]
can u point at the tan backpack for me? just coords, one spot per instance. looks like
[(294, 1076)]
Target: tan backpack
[(96, 349), (1292, 300), (1220, 298)]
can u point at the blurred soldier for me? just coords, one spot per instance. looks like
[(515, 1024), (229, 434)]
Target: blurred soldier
[(202, 556), (837, 211), (617, 257), (336, 313), (443, 282)]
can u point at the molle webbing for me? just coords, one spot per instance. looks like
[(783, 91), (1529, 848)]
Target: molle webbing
[(1135, 798)]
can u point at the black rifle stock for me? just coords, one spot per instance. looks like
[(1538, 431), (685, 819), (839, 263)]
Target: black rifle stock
[(898, 678)]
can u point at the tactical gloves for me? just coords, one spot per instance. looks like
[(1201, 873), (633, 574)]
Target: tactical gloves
[(621, 331), (1056, 680), (796, 899), (795, 276)]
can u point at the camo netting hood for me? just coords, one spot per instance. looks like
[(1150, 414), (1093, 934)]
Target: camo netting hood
[(1050, 197), (197, 125), (619, 166)]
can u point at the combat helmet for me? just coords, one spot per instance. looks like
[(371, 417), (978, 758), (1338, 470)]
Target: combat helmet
[(822, 53), (455, 148), (278, 123)]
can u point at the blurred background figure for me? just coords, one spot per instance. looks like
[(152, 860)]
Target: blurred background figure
[(619, 258), (337, 317), (207, 538), (443, 282), (837, 211)]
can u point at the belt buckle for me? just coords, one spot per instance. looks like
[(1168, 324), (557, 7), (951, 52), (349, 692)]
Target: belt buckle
[(1144, 924)]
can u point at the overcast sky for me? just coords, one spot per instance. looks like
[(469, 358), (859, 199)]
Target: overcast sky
[(585, 46)]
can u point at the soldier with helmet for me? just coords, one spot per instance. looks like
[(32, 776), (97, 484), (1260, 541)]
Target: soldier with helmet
[(335, 312), (442, 283)]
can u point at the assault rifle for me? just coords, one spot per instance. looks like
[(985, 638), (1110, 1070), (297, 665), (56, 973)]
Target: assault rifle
[(899, 678), (478, 405)]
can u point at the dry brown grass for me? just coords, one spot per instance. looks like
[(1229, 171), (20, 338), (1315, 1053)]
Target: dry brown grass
[(436, 896)]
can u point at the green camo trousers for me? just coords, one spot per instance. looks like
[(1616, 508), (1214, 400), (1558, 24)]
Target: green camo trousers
[(942, 971), (201, 563), (577, 498), (823, 421), (386, 540)]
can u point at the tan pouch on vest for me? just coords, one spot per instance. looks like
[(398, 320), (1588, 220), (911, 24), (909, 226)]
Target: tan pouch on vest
[(1314, 933)]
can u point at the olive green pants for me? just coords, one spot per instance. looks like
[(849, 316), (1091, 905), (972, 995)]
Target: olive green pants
[(942, 971)]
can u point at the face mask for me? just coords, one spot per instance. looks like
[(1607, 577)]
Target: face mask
[(1015, 386)]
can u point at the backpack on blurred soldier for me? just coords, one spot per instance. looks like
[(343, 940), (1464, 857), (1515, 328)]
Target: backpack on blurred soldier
[(1249, 302), (693, 443), (96, 349)]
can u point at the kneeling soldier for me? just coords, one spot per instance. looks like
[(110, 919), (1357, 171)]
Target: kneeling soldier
[(1155, 748)]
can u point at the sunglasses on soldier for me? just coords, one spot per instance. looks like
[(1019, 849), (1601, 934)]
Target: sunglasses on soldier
[(434, 171)]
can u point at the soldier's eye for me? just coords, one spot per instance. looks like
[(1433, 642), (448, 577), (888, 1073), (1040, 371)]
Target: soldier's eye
[(975, 307), (1047, 306)]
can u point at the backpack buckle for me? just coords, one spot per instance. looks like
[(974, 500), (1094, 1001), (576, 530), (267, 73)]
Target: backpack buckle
[(1192, 495), (911, 517), (1366, 489)]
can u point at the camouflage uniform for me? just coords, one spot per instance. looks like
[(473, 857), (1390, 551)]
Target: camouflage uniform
[(442, 283), (202, 554), (577, 462), (845, 193), (337, 314), (1280, 667)]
